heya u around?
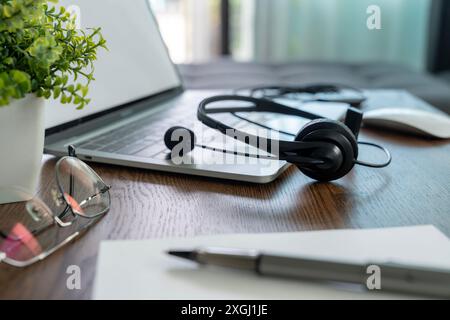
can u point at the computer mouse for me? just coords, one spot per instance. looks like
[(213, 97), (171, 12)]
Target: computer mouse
[(413, 121)]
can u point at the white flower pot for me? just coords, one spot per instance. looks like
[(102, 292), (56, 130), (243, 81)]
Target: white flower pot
[(22, 132)]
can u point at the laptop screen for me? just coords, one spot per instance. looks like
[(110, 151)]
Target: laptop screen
[(136, 66)]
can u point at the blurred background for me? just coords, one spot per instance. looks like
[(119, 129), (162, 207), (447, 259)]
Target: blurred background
[(285, 30), (223, 43)]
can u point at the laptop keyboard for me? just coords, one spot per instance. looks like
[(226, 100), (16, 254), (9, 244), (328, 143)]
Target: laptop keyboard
[(145, 137)]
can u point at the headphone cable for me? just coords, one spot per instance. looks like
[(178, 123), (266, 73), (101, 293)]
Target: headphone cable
[(358, 162)]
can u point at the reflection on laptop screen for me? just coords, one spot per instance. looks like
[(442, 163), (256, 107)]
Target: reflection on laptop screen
[(136, 66)]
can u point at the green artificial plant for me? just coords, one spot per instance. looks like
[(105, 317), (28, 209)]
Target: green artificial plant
[(43, 53)]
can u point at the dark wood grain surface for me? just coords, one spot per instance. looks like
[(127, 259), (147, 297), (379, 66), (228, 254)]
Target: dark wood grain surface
[(414, 190)]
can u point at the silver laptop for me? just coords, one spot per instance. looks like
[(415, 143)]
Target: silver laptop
[(137, 96)]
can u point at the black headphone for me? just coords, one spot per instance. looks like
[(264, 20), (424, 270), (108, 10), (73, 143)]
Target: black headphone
[(324, 149)]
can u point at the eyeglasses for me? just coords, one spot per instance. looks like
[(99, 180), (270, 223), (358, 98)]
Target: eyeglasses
[(31, 231)]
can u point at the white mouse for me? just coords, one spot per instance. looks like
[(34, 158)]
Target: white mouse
[(430, 124)]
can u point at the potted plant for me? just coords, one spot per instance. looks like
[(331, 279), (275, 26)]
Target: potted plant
[(42, 56)]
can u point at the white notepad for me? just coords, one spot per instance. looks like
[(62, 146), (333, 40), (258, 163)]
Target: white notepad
[(142, 270)]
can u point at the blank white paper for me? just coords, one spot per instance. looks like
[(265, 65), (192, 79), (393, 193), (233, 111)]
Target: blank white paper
[(142, 269)]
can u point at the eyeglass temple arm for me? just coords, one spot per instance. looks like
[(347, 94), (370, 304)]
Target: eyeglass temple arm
[(72, 150), (72, 153)]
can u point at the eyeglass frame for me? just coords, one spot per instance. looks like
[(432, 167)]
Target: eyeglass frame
[(56, 220)]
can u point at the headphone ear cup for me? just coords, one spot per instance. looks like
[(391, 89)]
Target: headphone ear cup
[(336, 133)]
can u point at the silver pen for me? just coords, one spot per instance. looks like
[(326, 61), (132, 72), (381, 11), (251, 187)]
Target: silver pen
[(393, 277)]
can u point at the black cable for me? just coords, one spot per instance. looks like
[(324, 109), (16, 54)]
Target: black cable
[(374, 165)]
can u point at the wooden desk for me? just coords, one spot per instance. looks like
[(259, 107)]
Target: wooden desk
[(414, 190)]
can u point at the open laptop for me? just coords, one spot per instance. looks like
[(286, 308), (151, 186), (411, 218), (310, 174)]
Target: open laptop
[(137, 96)]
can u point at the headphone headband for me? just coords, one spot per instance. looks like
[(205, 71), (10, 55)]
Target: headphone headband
[(353, 119), (261, 105)]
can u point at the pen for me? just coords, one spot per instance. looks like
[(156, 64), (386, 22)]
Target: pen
[(392, 277)]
